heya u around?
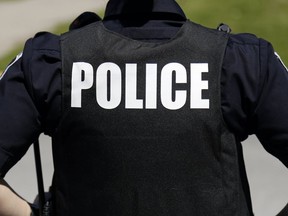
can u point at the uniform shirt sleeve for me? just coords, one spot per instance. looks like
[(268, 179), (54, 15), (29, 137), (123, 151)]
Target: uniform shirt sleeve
[(254, 91), (271, 114), (26, 88)]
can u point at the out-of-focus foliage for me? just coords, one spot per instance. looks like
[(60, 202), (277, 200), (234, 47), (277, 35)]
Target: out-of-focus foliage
[(267, 19)]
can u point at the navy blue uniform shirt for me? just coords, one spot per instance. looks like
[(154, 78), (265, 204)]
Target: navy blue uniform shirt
[(254, 86)]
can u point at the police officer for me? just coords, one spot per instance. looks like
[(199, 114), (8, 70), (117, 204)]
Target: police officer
[(146, 111)]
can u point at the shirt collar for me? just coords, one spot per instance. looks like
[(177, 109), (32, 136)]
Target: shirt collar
[(118, 8)]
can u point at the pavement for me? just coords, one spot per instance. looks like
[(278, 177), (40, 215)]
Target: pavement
[(20, 20)]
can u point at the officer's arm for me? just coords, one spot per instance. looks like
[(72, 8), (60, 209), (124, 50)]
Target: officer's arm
[(10, 203), (18, 130), (254, 96), (271, 116)]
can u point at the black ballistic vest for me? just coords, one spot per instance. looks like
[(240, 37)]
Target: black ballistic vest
[(150, 160)]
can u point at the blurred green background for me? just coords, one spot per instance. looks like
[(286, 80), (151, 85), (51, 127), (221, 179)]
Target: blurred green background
[(267, 19)]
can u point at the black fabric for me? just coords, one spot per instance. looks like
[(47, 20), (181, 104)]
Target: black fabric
[(145, 161), (118, 8), (137, 13), (284, 211), (84, 19)]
